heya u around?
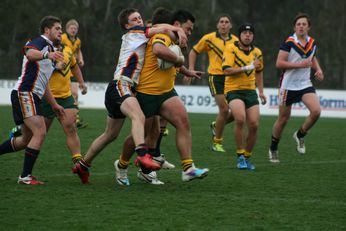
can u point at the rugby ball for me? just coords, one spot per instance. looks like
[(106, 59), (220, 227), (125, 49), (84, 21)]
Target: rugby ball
[(163, 64)]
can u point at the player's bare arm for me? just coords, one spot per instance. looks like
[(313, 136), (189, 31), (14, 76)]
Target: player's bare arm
[(163, 52), (169, 29), (282, 62)]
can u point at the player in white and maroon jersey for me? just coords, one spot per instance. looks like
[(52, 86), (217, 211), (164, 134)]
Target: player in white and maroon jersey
[(131, 57), (296, 58), (32, 85)]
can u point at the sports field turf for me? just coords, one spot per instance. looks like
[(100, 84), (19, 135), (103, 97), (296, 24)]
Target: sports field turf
[(301, 193)]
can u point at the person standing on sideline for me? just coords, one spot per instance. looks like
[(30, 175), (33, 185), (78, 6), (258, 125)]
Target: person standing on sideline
[(38, 64), (71, 39), (243, 66), (296, 58), (214, 44)]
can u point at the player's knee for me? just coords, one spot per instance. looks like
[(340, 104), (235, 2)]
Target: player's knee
[(283, 119), (224, 110), (141, 118), (316, 113), (253, 125), (240, 121), (183, 123), (71, 130), (40, 134)]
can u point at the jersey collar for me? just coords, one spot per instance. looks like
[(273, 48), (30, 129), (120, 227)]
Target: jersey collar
[(47, 39), (295, 37), (218, 35), (236, 43)]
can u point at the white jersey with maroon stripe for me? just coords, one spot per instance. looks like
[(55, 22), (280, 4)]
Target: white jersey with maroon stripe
[(132, 52), (297, 78), (35, 75)]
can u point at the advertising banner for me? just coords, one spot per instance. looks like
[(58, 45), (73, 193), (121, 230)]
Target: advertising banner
[(197, 99)]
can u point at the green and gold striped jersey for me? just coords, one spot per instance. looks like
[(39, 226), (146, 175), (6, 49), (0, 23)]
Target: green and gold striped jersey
[(234, 57), (153, 80), (214, 45), (75, 44), (60, 81)]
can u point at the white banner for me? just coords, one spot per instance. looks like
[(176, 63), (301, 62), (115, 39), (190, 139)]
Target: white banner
[(197, 99)]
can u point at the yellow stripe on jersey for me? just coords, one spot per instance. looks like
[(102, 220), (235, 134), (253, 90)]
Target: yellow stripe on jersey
[(235, 57), (211, 84), (60, 82), (153, 80), (214, 45)]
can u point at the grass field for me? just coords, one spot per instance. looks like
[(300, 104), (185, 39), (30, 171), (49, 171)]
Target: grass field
[(301, 193)]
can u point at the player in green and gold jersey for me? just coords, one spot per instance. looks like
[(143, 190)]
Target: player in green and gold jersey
[(71, 39), (214, 44), (60, 85), (157, 96), (243, 66)]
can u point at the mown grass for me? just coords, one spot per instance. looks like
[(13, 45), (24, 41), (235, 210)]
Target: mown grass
[(301, 193)]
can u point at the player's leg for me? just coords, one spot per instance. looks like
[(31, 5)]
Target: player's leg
[(252, 120), (311, 101), (111, 132), (216, 87), (278, 127), (38, 130), (72, 138), (220, 123), (131, 108), (174, 112), (16, 131), (16, 143), (153, 135), (163, 127), (238, 110), (152, 132), (67, 123), (27, 110), (75, 93), (286, 99), (153, 140), (160, 157)]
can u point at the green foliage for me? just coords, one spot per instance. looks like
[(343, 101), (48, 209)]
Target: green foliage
[(301, 193), (101, 35)]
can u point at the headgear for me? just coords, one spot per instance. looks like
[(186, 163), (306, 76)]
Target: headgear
[(246, 26)]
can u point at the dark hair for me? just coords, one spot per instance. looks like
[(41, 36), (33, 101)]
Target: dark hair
[(148, 21), (301, 15), (246, 26), (182, 16), (224, 16), (123, 16), (48, 22), (161, 15)]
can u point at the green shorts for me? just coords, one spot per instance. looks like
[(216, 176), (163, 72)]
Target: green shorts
[(249, 97), (64, 102), (217, 84), (151, 104)]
